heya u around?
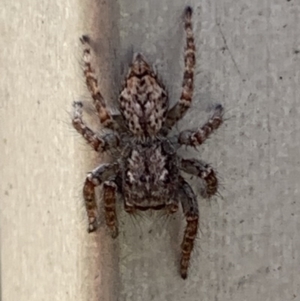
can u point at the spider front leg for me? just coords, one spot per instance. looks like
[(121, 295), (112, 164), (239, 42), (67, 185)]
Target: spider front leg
[(178, 111), (197, 137), (109, 198), (204, 171), (105, 117), (102, 143), (94, 179), (191, 212)]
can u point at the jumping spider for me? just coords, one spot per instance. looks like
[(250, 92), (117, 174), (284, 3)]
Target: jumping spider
[(147, 171)]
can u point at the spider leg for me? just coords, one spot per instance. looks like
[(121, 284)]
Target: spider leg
[(94, 179), (109, 198), (204, 171), (172, 205), (197, 137), (178, 111), (92, 83), (191, 212), (102, 143)]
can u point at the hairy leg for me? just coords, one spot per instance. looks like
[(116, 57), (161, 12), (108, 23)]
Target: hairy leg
[(204, 171), (178, 111), (191, 212), (197, 137), (92, 83), (102, 143), (109, 198), (94, 179)]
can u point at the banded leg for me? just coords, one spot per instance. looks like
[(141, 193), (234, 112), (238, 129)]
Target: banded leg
[(191, 212), (204, 171), (94, 179), (197, 137), (102, 143), (184, 103), (92, 84), (109, 198)]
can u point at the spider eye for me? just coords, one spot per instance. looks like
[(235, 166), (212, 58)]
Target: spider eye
[(143, 178), (167, 180)]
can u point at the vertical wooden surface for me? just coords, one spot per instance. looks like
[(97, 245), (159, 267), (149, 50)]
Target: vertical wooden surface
[(248, 59), (46, 252)]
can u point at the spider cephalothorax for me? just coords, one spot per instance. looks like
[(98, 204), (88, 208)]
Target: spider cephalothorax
[(147, 173)]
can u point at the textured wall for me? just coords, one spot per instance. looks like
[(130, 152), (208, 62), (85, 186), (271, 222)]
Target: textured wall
[(248, 59)]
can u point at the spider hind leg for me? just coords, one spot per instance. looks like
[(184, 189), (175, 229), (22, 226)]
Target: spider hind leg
[(92, 83), (179, 110)]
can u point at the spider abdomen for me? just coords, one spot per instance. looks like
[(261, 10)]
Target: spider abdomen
[(143, 100)]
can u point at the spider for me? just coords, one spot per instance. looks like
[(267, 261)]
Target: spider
[(147, 171)]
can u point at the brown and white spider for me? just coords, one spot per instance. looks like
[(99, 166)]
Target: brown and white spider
[(146, 172)]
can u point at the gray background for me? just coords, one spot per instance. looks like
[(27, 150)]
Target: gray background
[(247, 58)]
